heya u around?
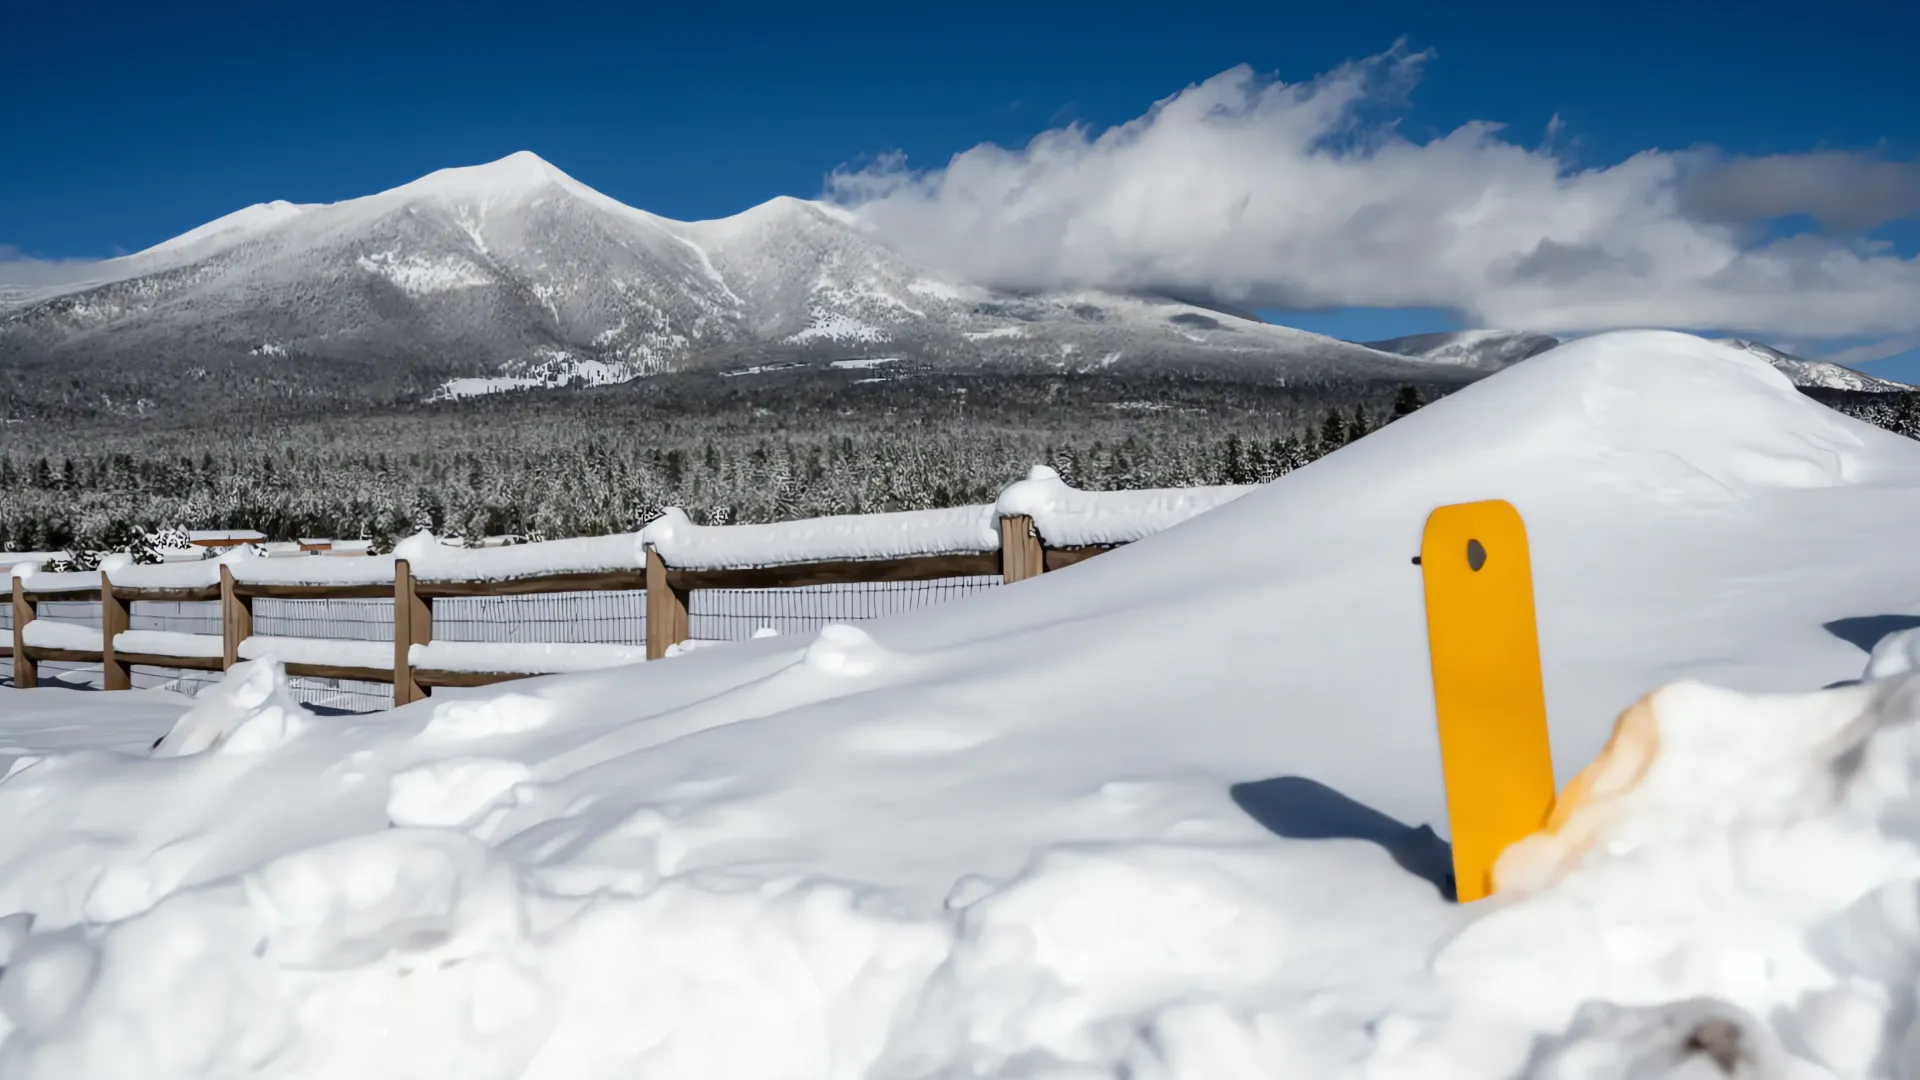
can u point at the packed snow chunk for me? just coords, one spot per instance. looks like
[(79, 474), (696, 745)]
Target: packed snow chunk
[(502, 713), (434, 895), (13, 930), (521, 658), (323, 652), (1690, 1040), (1691, 757), (169, 643), (794, 978), (430, 560), (1895, 654), (248, 711), (1068, 517), (1086, 950), (844, 649), (259, 978), (1694, 856), (453, 792), (53, 634), (904, 534)]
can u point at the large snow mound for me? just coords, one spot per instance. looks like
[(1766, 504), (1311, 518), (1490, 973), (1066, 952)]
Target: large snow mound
[(1157, 815)]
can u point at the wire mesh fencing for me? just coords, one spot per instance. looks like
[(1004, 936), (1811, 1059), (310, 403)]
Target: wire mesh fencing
[(344, 620), (340, 620), (611, 617), (178, 617), (563, 618), (737, 614)]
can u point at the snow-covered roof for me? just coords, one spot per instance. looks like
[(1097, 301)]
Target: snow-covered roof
[(225, 536)]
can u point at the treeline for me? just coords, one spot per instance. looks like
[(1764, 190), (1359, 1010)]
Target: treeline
[(547, 477), (1896, 412), (727, 451)]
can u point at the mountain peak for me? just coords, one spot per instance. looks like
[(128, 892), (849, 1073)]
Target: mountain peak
[(515, 175), (242, 222)]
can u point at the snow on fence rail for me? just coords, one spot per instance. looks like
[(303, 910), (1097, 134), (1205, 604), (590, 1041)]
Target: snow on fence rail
[(1036, 525)]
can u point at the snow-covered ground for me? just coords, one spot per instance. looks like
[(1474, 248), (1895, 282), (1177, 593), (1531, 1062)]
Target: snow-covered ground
[(1157, 815)]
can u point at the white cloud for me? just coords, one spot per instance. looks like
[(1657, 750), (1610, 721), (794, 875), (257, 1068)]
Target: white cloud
[(1273, 195), (1869, 351), (25, 271)]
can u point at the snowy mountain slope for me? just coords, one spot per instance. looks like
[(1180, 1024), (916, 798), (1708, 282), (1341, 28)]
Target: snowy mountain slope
[(1491, 350), (1027, 833), (1806, 372), (1483, 350), (513, 273)]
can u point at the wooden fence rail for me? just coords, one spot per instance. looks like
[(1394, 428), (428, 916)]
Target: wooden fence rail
[(668, 591)]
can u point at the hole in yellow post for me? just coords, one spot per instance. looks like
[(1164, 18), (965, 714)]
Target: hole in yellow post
[(1487, 689)]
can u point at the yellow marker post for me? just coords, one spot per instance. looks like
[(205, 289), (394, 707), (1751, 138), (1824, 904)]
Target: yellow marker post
[(1487, 688)]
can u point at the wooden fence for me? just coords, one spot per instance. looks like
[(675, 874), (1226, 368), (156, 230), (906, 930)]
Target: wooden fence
[(1023, 554)]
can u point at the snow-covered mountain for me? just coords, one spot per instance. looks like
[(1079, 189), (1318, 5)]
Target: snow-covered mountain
[(513, 273), (1477, 350), (1491, 350), (1820, 373)]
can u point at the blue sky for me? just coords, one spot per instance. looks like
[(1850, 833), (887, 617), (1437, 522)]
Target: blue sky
[(128, 124)]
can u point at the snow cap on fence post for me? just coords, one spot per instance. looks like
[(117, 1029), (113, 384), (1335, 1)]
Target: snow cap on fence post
[(1066, 516)]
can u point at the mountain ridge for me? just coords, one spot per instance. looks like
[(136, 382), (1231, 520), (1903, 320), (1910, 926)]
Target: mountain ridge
[(512, 274)]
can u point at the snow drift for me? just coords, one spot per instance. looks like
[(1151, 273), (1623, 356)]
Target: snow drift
[(1173, 812)]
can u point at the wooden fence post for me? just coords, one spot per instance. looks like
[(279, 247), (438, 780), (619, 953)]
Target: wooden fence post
[(667, 621), (114, 619), (26, 674), (1021, 555), (236, 619), (412, 625)]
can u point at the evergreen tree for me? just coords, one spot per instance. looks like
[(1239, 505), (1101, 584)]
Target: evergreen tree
[(1407, 400), (1333, 432)]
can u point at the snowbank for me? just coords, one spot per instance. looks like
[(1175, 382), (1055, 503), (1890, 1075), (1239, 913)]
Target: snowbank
[(34, 581), (53, 634), (1173, 815), (684, 545), (199, 574), (315, 570), (1068, 517), (521, 657), (168, 643), (224, 536), (429, 560), (332, 652), (11, 559), (1895, 654)]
